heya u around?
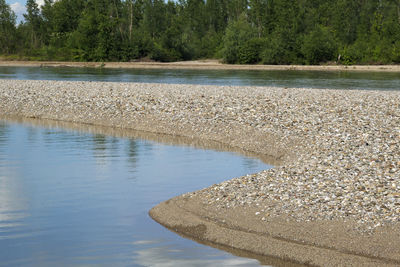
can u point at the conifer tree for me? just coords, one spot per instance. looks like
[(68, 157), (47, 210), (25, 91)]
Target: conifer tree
[(7, 28)]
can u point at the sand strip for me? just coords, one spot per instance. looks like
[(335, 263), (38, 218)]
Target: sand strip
[(199, 64)]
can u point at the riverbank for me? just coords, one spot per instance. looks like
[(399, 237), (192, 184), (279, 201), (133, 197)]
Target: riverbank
[(199, 64), (333, 197)]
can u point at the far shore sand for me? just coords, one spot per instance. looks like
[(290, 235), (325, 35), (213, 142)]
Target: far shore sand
[(200, 64), (333, 197)]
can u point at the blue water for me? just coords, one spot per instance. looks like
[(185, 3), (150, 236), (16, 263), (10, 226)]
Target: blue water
[(69, 197), (285, 78)]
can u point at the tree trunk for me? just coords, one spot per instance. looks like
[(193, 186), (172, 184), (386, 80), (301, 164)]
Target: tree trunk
[(119, 23), (398, 10), (131, 22)]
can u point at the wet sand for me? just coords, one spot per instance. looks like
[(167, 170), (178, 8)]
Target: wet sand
[(200, 64), (333, 197)]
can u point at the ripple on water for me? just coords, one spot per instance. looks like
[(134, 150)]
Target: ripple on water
[(74, 198)]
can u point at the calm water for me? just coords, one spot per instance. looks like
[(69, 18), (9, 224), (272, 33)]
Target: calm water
[(69, 197), (310, 79)]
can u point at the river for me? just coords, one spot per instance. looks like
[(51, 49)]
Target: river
[(280, 78)]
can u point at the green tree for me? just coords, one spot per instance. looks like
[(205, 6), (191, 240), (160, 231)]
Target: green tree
[(194, 26), (98, 36), (7, 29), (236, 40), (34, 23), (170, 46), (239, 31), (283, 43), (135, 42), (153, 23), (346, 19), (217, 15), (260, 15), (319, 46), (236, 8)]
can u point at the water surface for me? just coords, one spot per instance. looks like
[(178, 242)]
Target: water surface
[(69, 197), (280, 78)]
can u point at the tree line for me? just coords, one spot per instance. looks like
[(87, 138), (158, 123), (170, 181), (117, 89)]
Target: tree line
[(236, 31)]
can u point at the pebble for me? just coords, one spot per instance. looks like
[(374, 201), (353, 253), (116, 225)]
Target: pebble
[(339, 149)]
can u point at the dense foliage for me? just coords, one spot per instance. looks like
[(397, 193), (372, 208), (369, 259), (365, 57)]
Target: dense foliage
[(238, 31)]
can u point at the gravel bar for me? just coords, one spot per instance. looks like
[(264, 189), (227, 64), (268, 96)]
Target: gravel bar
[(335, 188)]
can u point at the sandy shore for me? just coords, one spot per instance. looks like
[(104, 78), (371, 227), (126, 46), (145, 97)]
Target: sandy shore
[(200, 64), (333, 197)]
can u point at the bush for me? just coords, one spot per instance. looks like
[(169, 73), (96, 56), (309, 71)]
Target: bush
[(236, 36), (250, 52), (319, 46), (368, 52), (162, 54), (209, 44), (353, 54), (382, 52), (396, 52), (277, 50), (273, 51)]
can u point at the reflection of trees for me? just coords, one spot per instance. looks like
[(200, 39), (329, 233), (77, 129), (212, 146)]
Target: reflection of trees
[(250, 164), (132, 149), (51, 136), (57, 137), (99, 148), (104, 144), (113, 142), (132, 153), (135, 149), (13, 201), (99, 142), (32, 134), (147, 146), (4, 130)]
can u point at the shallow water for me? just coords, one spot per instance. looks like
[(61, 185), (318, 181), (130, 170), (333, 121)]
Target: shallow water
[(286, 78), (69, 197)]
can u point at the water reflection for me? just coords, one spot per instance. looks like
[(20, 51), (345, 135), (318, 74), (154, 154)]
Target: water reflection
[(13, 202), (69, 197), (167, 257), (3, 132), (131, 134), (132, 153)]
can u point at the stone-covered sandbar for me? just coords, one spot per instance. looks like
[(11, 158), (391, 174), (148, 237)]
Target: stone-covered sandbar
[(333, 197)]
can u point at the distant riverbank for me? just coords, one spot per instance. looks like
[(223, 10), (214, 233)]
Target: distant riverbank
[(333, 197), (202, 64)]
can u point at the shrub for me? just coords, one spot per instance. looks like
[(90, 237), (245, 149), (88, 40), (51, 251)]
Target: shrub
[(396, 52), (250, 51), (236, 36), (319, 46), (279, 50), (162, 54)]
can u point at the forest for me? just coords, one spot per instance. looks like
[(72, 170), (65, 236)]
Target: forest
[(236, 31)]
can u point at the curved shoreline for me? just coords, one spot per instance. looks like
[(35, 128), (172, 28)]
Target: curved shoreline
[(182, 217), (200, 65), (334, 200)]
